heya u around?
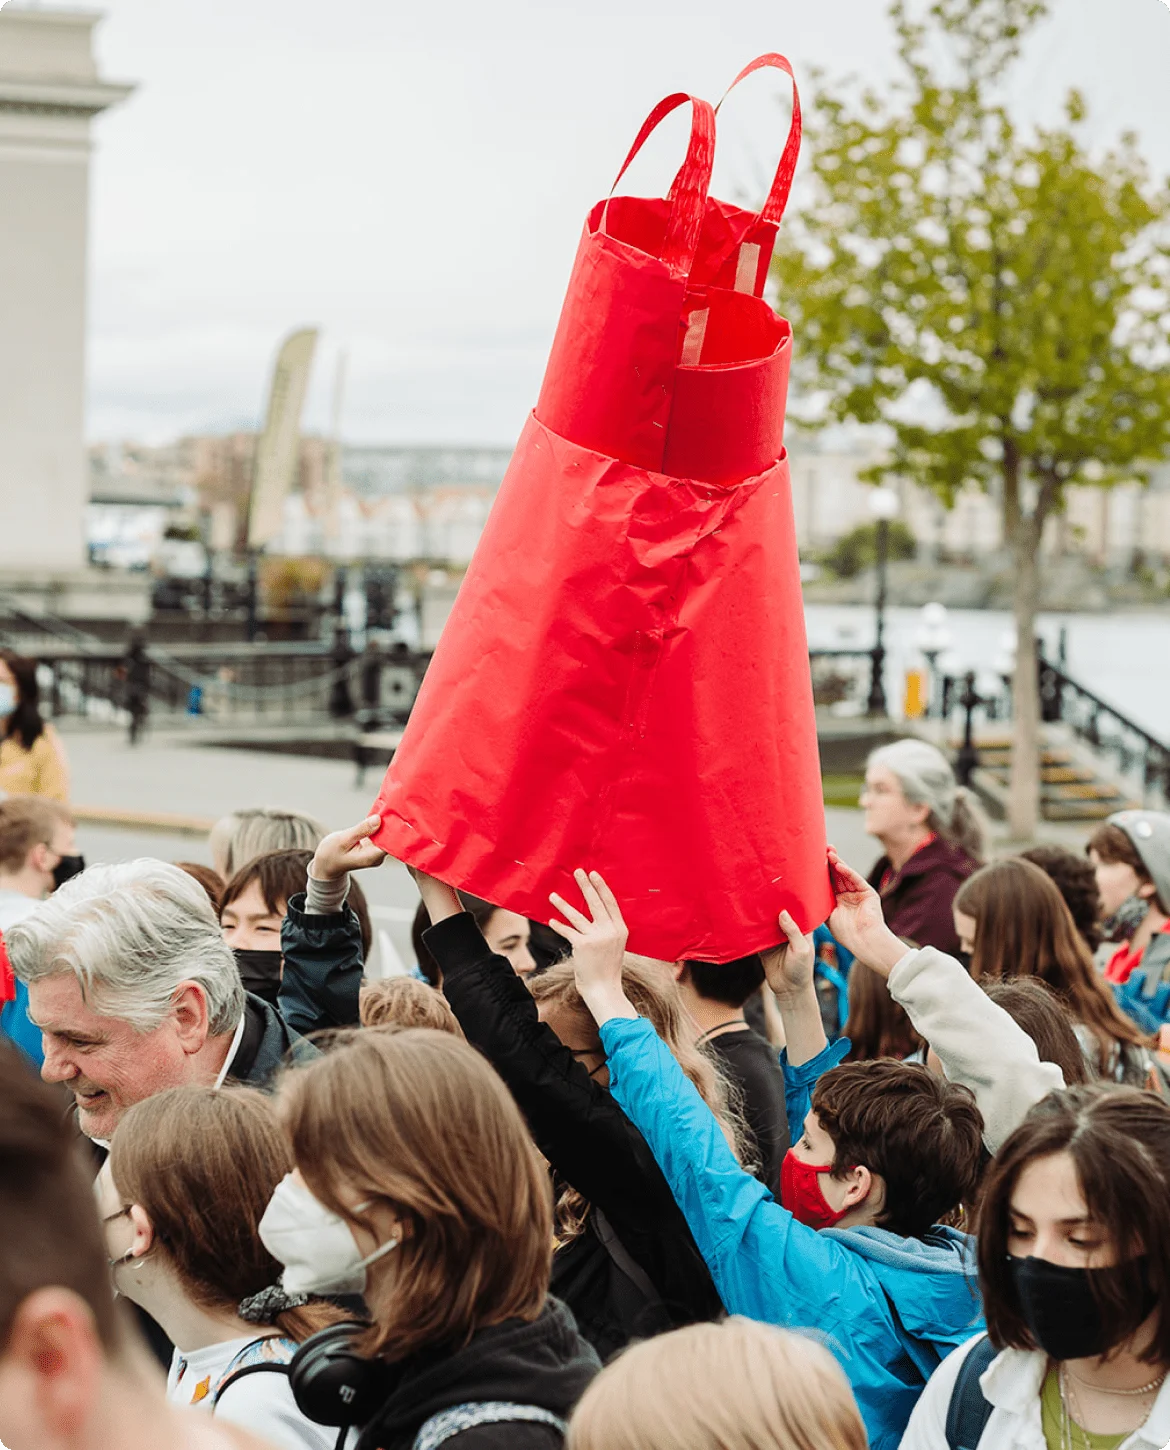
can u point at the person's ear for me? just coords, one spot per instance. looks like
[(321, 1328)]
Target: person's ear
[(38, 859), (55, 1347), (921, 812), (189, 1013), (1146, 890), (143, 1231), (860, 1184)]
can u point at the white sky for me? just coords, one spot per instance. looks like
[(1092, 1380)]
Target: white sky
[(413, 179)]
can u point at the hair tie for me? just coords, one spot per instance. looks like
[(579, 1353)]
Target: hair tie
[(263, 1308)]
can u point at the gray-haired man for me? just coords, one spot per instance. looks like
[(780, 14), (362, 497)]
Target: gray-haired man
[(134, 990)]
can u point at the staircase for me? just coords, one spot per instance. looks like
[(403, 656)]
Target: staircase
[(1075, 785)]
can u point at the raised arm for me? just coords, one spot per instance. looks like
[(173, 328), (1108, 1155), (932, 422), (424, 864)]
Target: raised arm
[(321, 938), (978, 1044)]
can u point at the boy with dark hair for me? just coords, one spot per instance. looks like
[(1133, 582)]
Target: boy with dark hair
[(715, 996), (72, 1376), (881, 1150)]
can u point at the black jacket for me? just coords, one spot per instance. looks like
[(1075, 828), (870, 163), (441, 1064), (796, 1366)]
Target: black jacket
[(592, 1146), (750, 1064), (545, 1363), (322, 968)]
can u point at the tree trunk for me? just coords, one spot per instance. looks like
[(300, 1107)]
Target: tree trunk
[(1024, 786)]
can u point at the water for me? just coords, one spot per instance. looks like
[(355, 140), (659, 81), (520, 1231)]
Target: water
[(1123, 657)]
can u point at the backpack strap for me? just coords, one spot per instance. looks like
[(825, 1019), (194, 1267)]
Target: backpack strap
[(272, 1353), (969, 1409), (621, 1256), (448, 1423)]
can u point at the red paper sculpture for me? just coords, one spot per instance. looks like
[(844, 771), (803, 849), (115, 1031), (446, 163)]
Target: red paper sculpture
[(623, 683)]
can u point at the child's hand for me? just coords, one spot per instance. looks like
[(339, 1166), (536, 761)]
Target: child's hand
[(789, 967), (857, 921), (346, 851), (599, 946)]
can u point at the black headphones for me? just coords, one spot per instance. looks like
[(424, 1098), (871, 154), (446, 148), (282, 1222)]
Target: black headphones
[(333, 1385)]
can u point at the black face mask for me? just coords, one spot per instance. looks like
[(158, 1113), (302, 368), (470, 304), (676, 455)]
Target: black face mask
[(1059, 1309), (259, 971), (66, 869)]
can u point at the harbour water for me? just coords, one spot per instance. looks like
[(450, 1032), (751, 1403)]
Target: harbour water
[(1124, 657)]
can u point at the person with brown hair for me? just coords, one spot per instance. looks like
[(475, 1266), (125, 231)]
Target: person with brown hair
[(210, 879), (72, 1374), (299, 929), (881, 1151), (1130, 855), (406, 1002), (1076, 880), (38, 853), (1017, 925), (626, 1263), (877, 1026), (243, 835), (507, 933), (1074, 1264), (417, 1185), (738, 1385), (190, 1174)]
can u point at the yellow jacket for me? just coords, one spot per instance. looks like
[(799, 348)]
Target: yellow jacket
[(43, 770)]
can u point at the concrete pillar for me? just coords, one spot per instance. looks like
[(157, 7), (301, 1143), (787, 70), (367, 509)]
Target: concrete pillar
[(49, 92)]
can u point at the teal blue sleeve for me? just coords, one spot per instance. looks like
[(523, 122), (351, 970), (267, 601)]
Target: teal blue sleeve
[(800, 1081), (765, 1264)]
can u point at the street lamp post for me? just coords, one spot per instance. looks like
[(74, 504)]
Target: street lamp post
[(933, 639), (883, 504)]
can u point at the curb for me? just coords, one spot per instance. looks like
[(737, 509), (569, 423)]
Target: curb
[(143, 820)]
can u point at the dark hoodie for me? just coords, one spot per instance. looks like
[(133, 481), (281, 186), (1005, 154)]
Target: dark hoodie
[(917, 900), (546, 1364)]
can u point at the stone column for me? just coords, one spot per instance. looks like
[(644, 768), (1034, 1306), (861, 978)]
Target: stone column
[(49, 92)]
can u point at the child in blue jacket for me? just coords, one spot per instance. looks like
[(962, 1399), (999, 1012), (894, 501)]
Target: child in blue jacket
[(881, 1150)]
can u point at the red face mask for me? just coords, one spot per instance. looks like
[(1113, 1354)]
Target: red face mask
[(800, 1192)]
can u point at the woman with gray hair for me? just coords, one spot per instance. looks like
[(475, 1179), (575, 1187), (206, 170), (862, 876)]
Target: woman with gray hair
[(932, 838)]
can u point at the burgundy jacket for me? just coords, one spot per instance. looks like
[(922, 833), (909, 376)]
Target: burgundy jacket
[(917, 900)]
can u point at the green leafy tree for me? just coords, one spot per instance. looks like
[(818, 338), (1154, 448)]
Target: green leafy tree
[(857, 550), (999, 300)]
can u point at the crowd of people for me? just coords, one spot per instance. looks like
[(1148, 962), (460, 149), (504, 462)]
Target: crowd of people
[(904, 1181)]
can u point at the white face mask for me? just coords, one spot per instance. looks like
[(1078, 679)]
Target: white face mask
[(317, 1248), (7, 699)]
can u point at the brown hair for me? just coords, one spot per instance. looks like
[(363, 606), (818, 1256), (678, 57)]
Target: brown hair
[(211, 881), (27, 821), (921, 1133), (876, 1026), (51, 1232), (406, 1002), (419, 1120), (280, 875), (1113, 846), (1024, 929), (1075, 879), (738, 1385), (1119, 1141), (1032, 1004), (203, 1164), (25, 723)]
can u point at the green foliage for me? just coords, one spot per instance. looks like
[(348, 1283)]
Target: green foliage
[(857, 550), (1001, 301)]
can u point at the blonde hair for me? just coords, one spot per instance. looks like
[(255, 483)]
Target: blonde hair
[(655, 996), (739, 1385), (242, 836), (419, 1121), (406, 1002)]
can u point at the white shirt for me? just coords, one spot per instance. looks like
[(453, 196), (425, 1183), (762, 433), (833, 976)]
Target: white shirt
[(261, 1403), (1012, 1383), (15, 906)]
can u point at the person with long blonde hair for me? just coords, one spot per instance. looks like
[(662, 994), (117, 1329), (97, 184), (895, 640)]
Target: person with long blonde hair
[(418, 1187), (739, 1385), (626, 1263)]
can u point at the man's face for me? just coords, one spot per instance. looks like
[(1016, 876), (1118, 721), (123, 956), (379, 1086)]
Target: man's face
[(108, 1065)]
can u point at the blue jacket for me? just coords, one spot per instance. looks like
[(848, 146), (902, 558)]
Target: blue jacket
[(14, 1025), (889, 1308)]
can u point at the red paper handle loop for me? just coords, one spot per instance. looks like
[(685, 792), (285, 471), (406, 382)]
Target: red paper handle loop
[(688, 190), (773, 208)]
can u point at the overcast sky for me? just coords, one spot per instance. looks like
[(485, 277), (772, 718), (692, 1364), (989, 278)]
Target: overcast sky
[(413, 179)]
